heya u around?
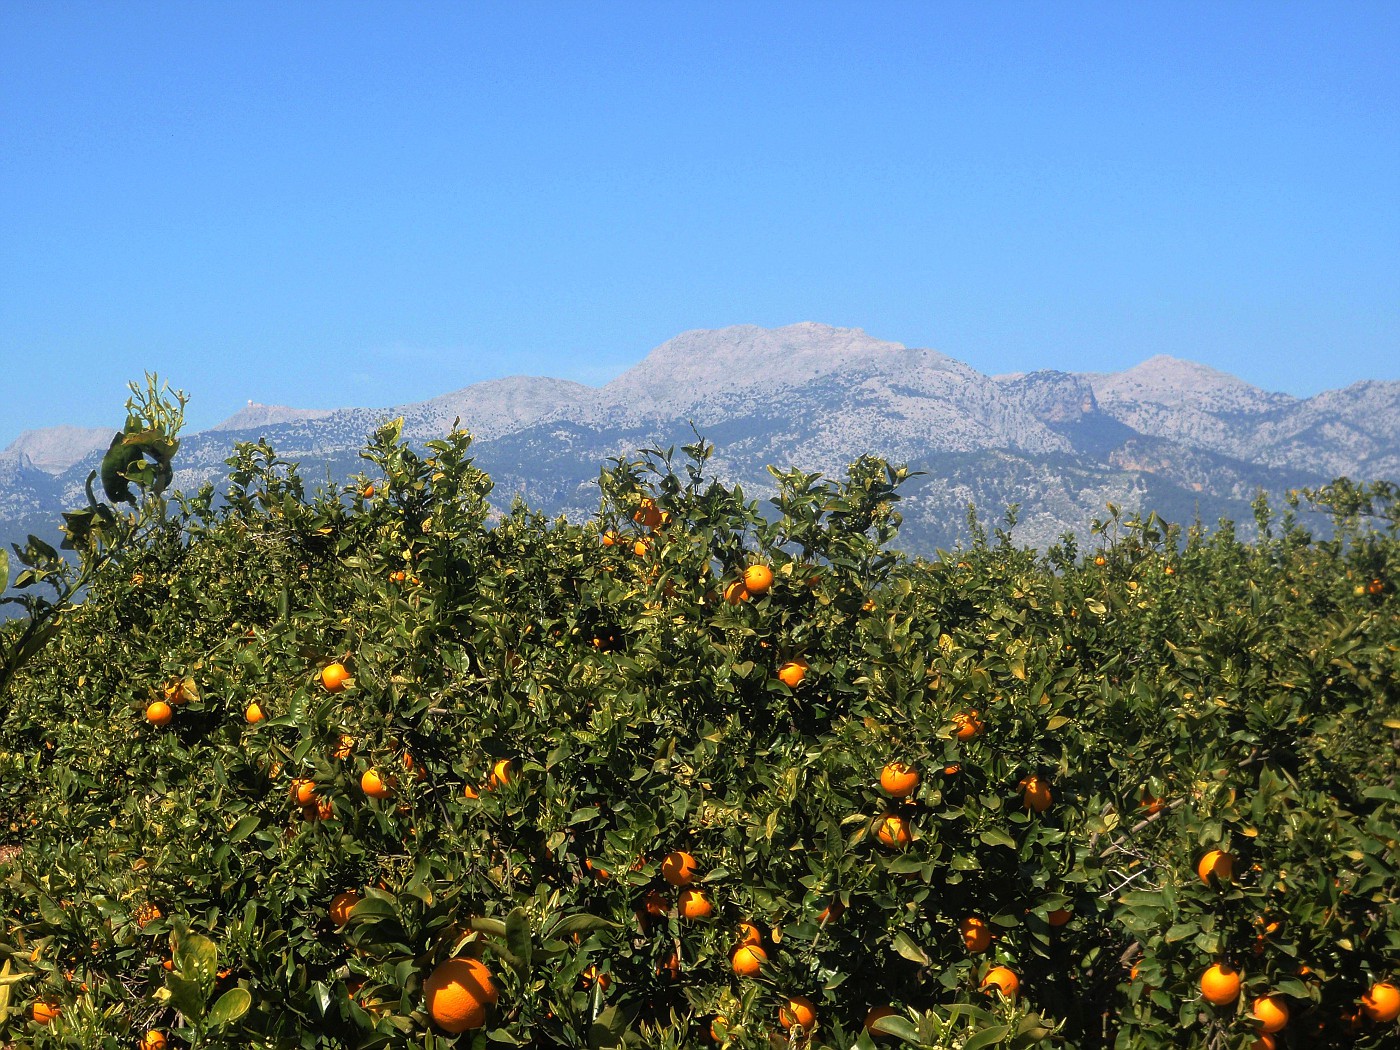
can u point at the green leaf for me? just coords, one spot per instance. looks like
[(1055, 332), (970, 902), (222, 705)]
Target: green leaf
[(185, 995), (243, 828), (901, 1027), (987, 1037), (582, 923), (230, 1006), (518, 940), (904, 944), (997, 837)]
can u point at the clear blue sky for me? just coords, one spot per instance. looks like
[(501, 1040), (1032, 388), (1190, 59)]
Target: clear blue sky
[(323, 204)]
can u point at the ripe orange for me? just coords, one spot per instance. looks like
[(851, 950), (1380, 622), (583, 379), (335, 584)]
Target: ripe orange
[(591, 976), (1100, 560), (1058, 917), (875, 1014), (671, 967), (892, 830), (1217, 863), (968, 724), (975, 934), (1271, 1012), (1264, 1042), (748, 935), (1035, 793), (1376, 586), (333, 676), (599, 873), (757, 579), (1220, 984), (469, 792), (695, 904), (831, 912), (656, 904), (609, 539), (799, 1012), (254, 713), (648, 514), (368, 493), (502, 773), (411, 765), (678, 868), (375, 786), (159, 713), (43, 1013), (640, 548), (1150, 802), (1003, 979), (748, 959), (458, 994), (343, 748), (899, 780), (154, 1040), (341, 904), (303, 791), (1381, 1004), (736, 592), (792, 672), (179, 691)]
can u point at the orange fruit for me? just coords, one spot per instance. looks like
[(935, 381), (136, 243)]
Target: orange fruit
[(798, 1013), (591, 976), (671, 967), (1003, 979), (333, 676), (458, 994), (640, 548), (892, 830), (694, 904), (967, 724), (1058, 917), (1035, 793), (831, 912), (1100, 560), (502, 773), (1376, 586), (952, 770), (757, 579), (599, 873), (899, 780), (341, 904), (1220, 984), (159, 713), (975, 934), (375, 786), (179, 691), (736, 592), (153, 1040), (43, 1013), (1264, 1042), (1271, 1012), (253, 714), (1217, 863), (792, 673), (344, 746), (648, 514), (469, 792), (748, 935), (303, 791), (747, 960), (1381, 1004), (147, 914), (1150, 802), (655, 904), (678, 868), (412, 766), (609, 539)]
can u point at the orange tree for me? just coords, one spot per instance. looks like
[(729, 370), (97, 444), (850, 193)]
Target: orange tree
[(375, 768)]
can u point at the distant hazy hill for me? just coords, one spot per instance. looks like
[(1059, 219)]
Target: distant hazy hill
[(1168, 434)]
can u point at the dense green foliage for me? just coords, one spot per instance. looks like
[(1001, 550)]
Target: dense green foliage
[(1177, 694)]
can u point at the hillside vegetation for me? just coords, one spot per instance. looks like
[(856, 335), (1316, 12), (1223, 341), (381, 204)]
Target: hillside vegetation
[(690, 774)]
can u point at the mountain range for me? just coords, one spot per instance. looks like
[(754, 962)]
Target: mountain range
[(1168, 435)]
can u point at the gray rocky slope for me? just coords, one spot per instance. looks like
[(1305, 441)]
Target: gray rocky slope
[(1167, 435)]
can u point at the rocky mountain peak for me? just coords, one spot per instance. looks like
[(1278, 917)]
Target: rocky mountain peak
[(1166, 380), (739, 360), (55, 449), (254, 416)]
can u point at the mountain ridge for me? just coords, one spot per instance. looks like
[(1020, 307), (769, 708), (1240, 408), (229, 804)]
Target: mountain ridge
[(816, 397)]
